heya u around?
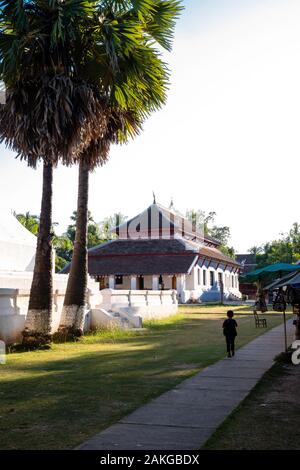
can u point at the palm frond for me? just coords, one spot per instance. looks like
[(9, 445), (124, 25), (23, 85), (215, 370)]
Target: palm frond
[(16, 11), (161, 23), (51, 118)]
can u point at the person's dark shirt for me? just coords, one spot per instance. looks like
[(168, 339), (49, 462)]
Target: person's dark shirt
[(229, 327)]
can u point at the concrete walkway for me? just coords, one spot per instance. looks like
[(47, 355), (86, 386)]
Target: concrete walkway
[(186, 416)]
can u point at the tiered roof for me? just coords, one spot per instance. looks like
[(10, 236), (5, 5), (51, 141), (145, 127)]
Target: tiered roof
[(162, 222)]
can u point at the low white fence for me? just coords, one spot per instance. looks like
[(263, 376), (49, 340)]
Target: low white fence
[(14, 307), (143, 303), (125, 308)]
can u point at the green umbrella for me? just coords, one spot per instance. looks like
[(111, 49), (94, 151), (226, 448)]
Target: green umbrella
[(269, 272)]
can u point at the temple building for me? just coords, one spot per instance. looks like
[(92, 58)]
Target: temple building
[(17, 245), (160, 249)]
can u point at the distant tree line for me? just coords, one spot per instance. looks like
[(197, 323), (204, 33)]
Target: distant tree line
[(285, 249)]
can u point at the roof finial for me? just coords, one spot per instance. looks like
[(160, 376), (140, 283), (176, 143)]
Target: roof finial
[(154, 199), (171, 206)]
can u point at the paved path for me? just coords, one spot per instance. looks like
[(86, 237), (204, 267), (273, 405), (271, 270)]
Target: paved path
[(186, 416)]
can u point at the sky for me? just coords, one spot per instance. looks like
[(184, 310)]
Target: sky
[(227, 140)]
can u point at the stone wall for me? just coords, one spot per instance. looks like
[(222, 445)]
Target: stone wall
[(131, 307)]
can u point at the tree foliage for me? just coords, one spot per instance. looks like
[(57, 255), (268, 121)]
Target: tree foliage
[(285, 249), (63, 244), (30, 221), (108, 224), (93, 237), (205, 222)]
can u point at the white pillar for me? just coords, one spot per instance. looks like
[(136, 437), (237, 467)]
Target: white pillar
[(133, 283), (155, 283), (111, 282), (180, 283), (181, 286)]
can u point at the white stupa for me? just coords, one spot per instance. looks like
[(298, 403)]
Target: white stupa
[(17, 245)]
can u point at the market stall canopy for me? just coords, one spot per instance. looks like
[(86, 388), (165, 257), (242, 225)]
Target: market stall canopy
[(291, 280), (274, 283), (270, 272)]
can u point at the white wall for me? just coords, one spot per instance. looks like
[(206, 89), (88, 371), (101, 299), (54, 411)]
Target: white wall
[(11, 327), (14, 302), (207, 292), (144, 303)]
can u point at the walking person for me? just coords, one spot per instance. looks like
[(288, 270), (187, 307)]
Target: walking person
[(229, 331)]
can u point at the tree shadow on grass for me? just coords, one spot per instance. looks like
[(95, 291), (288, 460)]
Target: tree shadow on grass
[(74, 398), (56, 399)]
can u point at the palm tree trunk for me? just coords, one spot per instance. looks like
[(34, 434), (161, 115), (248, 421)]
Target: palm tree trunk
[(39, 317), (72, 319)]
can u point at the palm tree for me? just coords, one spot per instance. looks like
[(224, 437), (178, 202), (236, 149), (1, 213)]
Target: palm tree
[(255, 250), (72, 70), (50, 113), (39, 316), (71, 323), (132, 76)]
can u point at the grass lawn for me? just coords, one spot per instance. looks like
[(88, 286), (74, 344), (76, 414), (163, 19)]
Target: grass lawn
[(268, 419), (57, 398), (217, 308)]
